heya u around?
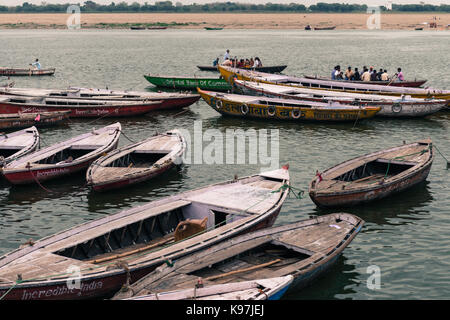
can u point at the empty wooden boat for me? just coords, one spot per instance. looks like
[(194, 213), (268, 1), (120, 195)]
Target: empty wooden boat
[(268, 69), (63, 158), (284, 109), (123, 247), (259, 289), (391, 106), (168, 100), (17, 144), (137, 162), (405, 83), (373, 176), (9, 72), (23, 120), (230, 74), (304, 250), (78, 108)]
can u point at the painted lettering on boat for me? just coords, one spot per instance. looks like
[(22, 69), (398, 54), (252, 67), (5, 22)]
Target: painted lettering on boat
[(60, 291), (51, 172)]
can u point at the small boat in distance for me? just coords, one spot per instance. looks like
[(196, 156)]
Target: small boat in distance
[(39, 120), (213, 28), (156, 28), (373, 176), (63, 158), (10, 72), (17, 144), (305, 249), (121, 248), (268, 69), (259, 289), (137, 162), (284, 109), (137, 28), (325, 28)]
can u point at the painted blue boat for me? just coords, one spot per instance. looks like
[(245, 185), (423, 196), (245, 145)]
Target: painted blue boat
[(304, 250)]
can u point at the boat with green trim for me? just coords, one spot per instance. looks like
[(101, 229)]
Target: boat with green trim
[(186, 83)]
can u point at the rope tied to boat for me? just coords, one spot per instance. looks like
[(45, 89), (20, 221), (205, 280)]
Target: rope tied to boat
[(17, 282), (298, 193), (439, 151)]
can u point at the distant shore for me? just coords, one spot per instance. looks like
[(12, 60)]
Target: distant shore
[(342, 21)]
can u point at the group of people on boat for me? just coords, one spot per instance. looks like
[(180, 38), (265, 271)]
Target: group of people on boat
[(367, 74), (238, 63)]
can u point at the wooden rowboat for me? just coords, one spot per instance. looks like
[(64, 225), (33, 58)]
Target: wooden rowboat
[(373, 176), (304, 250), (213, 28), (17, 144), (406, 83), (268, 69), (186, 83), (284, 109), (23, 120), (325, 28), (64, 158), (9, 72), (259, 289), (230, 74), (123, 247), (391, 106), (78, 108), (137, 162)]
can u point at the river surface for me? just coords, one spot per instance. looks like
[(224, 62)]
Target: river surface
[(407, 235)]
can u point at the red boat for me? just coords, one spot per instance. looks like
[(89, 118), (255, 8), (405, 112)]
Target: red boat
[(96, 258), (63, 158)]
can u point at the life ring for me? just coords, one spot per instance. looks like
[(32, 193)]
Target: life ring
[(396, 107), (271, 111), (219, 104), (296, 113), (244, 109)]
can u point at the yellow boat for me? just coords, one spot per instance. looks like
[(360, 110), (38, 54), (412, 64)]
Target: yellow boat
[(229, 73), (284, 109)]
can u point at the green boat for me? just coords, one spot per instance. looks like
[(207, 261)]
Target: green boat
[(213, 28), (213, 84)]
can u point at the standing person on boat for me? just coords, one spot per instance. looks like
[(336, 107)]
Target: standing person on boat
[(36, 65), (216, 62), (226, 56), (349, 73), (385, 76), (399, 74), (356, 75)]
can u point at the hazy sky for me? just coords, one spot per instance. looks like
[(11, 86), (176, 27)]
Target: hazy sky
[(305, 2)]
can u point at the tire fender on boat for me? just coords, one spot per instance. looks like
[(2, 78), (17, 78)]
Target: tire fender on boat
[(271, 110), (244, 109), (296, 113), (396, 107), (219, 104)]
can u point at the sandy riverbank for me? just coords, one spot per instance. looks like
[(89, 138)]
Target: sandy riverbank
[(392, 21)]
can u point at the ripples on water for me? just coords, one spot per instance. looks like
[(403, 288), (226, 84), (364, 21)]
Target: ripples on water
[(406, 235)]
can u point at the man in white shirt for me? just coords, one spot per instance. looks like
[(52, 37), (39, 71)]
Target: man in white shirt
[(226, 55), (36, 64)]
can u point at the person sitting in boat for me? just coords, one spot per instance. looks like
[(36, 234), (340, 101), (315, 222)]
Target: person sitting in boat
[(379, 73), (333, 73), (356, 75), (36, 65), (227, 63), (349, 73), (251, 63), (366, 75), (216, 62), (257, 63), (373, 75), (385, 76), (399, 74)]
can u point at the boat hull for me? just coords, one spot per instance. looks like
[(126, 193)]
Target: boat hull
[(44, 121), (189, 83), (26, 72), (235, 109), (411, 84)]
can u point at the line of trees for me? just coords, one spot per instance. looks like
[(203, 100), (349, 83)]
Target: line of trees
[(168, 6)]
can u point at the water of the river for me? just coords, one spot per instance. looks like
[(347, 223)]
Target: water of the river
[(407, 236)]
